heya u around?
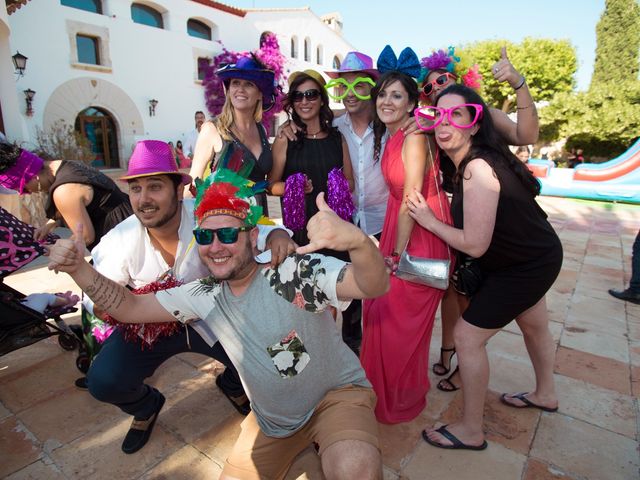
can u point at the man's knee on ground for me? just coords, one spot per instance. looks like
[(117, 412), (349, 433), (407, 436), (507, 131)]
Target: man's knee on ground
[(349, 459)]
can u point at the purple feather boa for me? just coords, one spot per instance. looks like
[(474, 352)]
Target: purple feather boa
[(293, 213), (339, 196)]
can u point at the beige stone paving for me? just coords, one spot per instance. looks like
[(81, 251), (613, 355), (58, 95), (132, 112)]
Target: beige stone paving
[(50, 430)]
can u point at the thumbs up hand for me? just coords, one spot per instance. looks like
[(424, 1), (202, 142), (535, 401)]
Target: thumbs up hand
[(503, 70), (67, 254), (326, 230)]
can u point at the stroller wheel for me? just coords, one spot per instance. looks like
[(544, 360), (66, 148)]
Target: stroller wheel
[(68, 341), (83, 362)]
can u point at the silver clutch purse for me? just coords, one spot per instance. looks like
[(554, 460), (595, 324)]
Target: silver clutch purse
[(425, 271)]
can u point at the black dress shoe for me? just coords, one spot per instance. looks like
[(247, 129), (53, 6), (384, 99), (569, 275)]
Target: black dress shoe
[(141, 429), (240, 402), (626, 295), (81, 383)]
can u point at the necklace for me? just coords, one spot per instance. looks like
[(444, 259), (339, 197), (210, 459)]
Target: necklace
[(314, 135)]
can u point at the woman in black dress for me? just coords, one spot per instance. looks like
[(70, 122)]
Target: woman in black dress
[(77, 193), (498, 222), (318, 149)]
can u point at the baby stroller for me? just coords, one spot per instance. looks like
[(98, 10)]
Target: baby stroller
[(21, 325)]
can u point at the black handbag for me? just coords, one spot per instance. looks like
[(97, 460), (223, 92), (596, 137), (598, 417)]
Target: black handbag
[(467, 276)]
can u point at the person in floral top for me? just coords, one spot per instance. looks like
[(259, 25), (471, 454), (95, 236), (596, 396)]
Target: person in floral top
[(304, 383)]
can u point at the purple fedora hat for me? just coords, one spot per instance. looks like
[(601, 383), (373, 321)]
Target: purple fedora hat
[(355, 62), (248, 68), (153, 157)]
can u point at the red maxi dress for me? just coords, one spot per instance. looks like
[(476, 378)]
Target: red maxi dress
[(397, 326)]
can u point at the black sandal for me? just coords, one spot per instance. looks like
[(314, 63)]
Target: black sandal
[(439, 368), (446, 385)]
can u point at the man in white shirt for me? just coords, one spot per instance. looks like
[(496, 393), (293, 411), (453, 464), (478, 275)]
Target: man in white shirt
[(304, 383), (189, 146), (152, 249)]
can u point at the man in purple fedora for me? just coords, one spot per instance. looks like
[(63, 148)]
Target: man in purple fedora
[(152, 250)]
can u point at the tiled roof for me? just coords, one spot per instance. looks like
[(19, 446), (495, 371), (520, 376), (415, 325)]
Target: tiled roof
[(221, 6), (13, 5)]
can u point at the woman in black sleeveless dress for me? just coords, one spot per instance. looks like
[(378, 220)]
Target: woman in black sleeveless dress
[(498, 222), (77, 193)]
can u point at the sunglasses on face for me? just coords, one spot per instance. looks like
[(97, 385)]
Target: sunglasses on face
[(311, 95), (338, 88), (440, 80), (460, 116), (226, 235)]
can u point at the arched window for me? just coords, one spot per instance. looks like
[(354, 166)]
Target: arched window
[(99, 128), (146, 15), (94, 6), (336, 62), (294, 47), (319, 55), (198, 29), (307, 50)]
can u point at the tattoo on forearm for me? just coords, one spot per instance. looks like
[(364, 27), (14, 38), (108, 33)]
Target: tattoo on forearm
[(106, 294), (342, 274)]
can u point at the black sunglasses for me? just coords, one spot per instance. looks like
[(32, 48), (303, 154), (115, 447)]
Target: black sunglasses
[(226, 235), (311, 95)]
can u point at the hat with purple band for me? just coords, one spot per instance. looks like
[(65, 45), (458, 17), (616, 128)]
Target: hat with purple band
[(26, 166), (249, 68), (153, 157), (355, 62)]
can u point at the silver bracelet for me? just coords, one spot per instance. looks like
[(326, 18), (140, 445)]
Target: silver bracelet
[(521, 84)]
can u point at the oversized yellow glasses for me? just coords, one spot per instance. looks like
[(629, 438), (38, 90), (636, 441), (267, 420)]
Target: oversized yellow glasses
[(338, 88)]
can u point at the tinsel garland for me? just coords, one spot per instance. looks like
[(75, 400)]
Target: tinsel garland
[(293, 213), (339, 196), (148, 333)]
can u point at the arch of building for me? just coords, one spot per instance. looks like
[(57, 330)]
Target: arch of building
[(74, 96)]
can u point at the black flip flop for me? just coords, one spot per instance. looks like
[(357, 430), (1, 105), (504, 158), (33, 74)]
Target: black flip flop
[(456, 444), (527, 403)]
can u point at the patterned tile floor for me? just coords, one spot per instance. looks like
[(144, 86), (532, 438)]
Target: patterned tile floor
[(51, 430)]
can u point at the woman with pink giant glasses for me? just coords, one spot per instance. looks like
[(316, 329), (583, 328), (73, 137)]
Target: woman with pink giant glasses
[(519, 255)]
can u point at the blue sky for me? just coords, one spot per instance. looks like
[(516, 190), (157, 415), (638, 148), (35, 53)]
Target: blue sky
[(430, 24)]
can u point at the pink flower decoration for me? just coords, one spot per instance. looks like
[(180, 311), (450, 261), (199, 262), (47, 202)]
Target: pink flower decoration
[(472, 78), (102, 333)]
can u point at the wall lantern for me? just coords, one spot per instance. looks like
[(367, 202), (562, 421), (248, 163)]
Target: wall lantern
[(152, 107), (20, 63), (28, 95)]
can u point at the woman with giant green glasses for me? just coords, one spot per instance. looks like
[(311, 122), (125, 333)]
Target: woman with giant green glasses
[(519, 256)]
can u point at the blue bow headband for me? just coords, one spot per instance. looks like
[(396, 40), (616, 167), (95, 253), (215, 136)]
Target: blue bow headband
[(408, 63)]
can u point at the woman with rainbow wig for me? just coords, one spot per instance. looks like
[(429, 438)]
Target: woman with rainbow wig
[(444, 68), (440, 70)]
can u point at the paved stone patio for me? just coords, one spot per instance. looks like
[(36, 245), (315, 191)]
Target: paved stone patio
[(51, 430)]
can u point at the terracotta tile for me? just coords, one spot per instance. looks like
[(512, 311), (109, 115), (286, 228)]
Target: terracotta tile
[(603, 261), (195, 359), (306, 466), (217, 442), (566, 281), (29, 356), (513, 428), (35, 383), (602, 371), (97, 453), (496, 462), (18, 446), (596, 405), (596, 343), (186, 463), (69, 415), (584, 450), (173, 374), (195, 408), (4, 412), (537, 470), (398, 441), (42, 469), (509, 375)]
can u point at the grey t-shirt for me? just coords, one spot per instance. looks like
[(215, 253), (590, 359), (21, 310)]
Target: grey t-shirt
[(279, 335)]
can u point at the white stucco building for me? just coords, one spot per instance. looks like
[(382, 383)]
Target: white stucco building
[(97, 64)]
